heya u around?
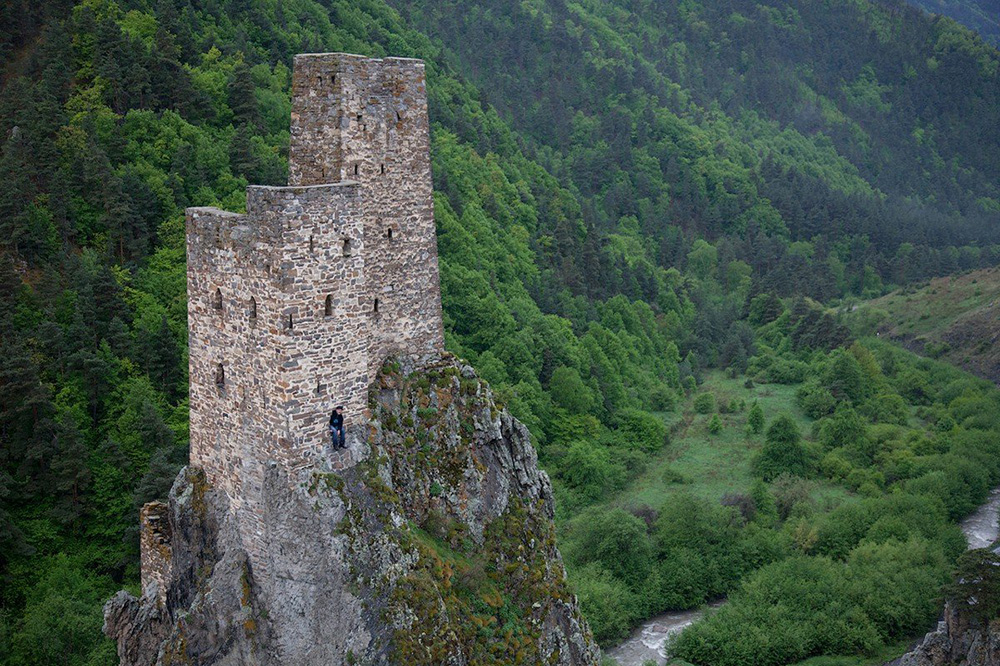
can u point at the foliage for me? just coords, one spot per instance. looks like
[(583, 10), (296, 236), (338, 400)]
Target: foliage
[(660, 191), (783, 452)]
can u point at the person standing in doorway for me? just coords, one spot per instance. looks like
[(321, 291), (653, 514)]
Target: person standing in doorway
[(337, 428)]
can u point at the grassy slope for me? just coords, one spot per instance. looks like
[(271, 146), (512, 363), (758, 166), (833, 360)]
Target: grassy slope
[(707, 465), (953, 318)]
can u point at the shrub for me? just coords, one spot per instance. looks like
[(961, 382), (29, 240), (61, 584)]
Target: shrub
[(755, 419), (742, 503), (605, 601), (715, 425), (704, 403), (641, 430), (782, 451), (815, 400), (589, 468)]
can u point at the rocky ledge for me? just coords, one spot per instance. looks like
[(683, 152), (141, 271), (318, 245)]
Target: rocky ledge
[(958, 641), (436, 547)]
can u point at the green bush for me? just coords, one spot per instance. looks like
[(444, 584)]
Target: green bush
[(704, 403), (715, 425), (783, 452)]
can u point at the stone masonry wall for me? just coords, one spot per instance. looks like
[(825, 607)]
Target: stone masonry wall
[(268, 358), (294, 306), (154, 547), (365, 119)]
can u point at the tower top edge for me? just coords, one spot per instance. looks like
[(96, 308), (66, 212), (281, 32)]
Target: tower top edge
[(337, 56)]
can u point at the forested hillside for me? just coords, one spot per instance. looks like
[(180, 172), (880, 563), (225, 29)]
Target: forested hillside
[(863, 130), (624, 194), (983, 16)]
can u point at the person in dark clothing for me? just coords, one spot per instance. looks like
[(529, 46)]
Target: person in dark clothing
[(337, 428)]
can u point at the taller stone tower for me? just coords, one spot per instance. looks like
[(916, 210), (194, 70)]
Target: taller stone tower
[(294, 306), (363, 120)]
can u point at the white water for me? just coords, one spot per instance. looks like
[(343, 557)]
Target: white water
[(647, 643), (981, 528)]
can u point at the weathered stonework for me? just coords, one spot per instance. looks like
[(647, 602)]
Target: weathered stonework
[(274, 550), (154, 547), (293, 307)]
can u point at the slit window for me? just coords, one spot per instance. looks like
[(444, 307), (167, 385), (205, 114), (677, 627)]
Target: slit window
[(220, 377), (399, 117), (253, 311), (382, 168), (333, 78), (375, 309), (328, 306), (359, 117), (355, 169), (347, 247), (289, 322), (319, 388), (312, 242), (388, 233), (217, 300)]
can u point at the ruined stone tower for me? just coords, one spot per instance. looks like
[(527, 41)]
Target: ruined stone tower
[(294, 306)]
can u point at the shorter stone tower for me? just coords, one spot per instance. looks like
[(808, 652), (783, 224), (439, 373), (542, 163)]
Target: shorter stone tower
[(294, 306)]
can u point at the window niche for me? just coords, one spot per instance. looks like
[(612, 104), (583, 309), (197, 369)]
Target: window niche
[(348, 248), (328, 306), (220, 377), (217, 300), (253, 311)]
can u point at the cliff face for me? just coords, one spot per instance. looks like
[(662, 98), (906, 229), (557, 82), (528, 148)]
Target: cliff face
[(434, 545), (959, 640)]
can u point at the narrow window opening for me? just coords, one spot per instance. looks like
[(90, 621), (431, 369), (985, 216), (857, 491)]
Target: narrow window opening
[(328, 307), (319, 388), (375, 310), (399, 117), (312, 243), (333, 79), (359, 117), (347, 247), (355, 169), (388, 233), (220, 377), (289, 323), (382, 168), (253, 311), (217, 300)]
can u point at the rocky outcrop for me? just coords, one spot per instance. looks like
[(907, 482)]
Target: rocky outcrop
[(435, 547), (958, 641)]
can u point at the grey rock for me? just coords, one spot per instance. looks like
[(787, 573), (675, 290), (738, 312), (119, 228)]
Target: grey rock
[(346, 576)]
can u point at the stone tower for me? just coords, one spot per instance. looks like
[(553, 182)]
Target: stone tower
[(294, 306)]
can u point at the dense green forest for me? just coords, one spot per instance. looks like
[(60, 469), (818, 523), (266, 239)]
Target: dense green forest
[(629, 196)]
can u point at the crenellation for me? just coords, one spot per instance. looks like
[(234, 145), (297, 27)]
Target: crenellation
[(294, 305)]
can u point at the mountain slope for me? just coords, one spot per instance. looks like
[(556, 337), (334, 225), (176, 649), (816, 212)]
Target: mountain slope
[(983, 16), (844, 120), (952, 318), (622, 190)]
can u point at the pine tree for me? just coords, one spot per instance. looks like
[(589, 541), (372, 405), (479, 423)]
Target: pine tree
[(755, 419)]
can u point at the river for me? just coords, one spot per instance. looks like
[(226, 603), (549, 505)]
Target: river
[(647, 642)]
